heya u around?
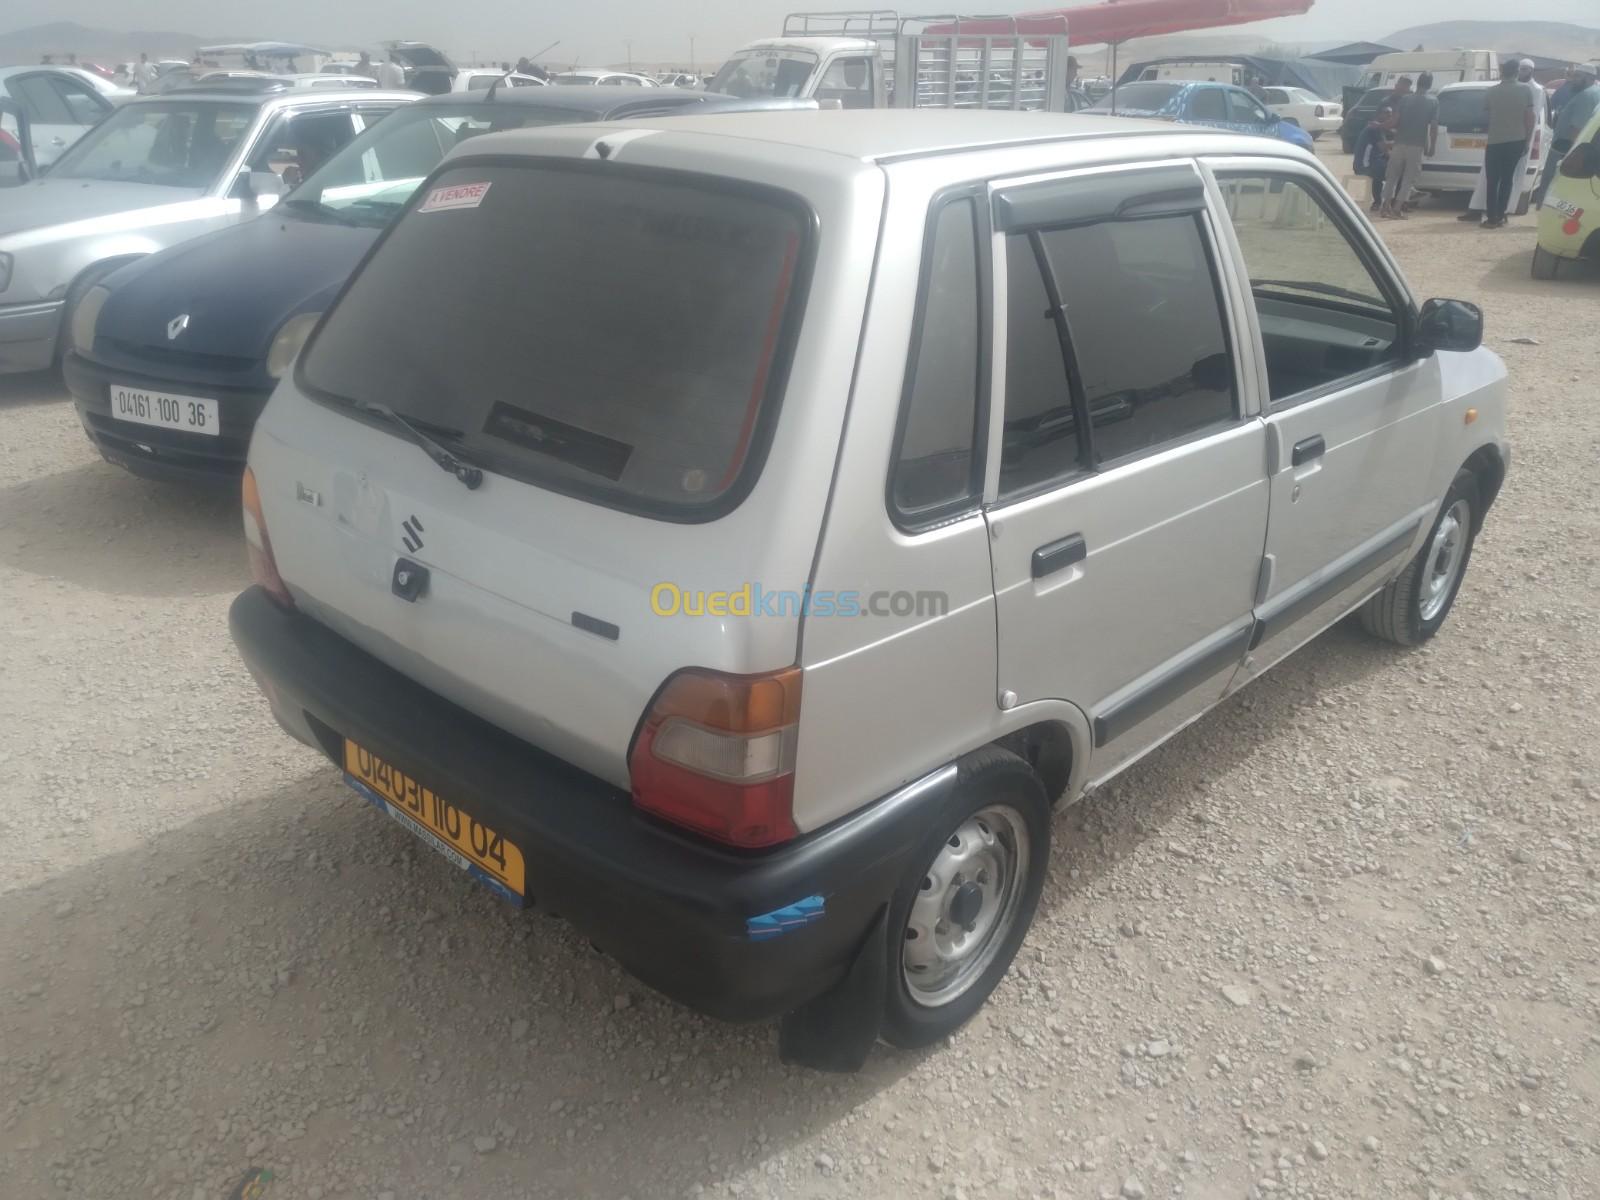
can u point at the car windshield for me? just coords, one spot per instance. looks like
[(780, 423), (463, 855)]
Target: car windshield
[(775, 73), (1138, 97), (372, 178), (177, 143), (1464, 110), (608, 336)]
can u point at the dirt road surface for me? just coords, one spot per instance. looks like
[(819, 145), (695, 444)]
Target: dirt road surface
[(1337, 940)]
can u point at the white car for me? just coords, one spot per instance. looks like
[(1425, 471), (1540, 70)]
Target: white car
[(941, 465), (1457, 158), (60, 104), (611, 78), (477, 79), (1306, 109)]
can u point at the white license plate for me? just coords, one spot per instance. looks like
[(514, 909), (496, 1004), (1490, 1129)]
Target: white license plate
[(192, 414), (1565, 207)]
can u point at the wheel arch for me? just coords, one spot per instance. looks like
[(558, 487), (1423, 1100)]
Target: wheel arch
[(1487, 464), (1048, 746)]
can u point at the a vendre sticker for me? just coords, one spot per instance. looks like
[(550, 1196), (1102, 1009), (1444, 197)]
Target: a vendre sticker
[(457, 195)]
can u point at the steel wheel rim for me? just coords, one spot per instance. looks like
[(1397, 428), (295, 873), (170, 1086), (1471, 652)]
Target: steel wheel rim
[(1447, 555), (965, 906)]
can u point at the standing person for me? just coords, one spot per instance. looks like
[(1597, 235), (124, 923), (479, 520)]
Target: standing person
[(1478, 204), (364, 66), (1582, 101), (1416, 131), (144, 75), (1372, 157), (1511, 121), (390, 73)]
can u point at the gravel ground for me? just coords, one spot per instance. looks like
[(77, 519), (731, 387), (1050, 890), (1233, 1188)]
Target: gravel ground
[(1336, 940)]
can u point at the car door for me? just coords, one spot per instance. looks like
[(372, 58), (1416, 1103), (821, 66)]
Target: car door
[(16, 146), (1206, 106), (54, 125), (1348, 435), (1126, 498)]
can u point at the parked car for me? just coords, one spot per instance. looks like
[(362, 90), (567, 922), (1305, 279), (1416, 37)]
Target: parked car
[(157, 171), (473, 79), (101, 80), (1306, 109), (1217, 105), (1569, 221), (61, 105), (1457, 158), (678, 79), (588, 78), (248, 294), (1357, 115), (736, 555), (428, 69)]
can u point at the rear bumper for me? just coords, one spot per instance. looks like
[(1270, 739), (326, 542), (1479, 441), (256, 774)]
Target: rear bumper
[(675, 911), (28, 334), (166, 454)]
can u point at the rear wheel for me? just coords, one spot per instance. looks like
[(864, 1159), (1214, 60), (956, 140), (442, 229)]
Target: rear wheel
[(1411, 609), (1545, 264), (955, 923)]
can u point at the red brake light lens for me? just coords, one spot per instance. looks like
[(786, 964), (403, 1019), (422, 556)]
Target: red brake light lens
[(716, 755), (263, 567)]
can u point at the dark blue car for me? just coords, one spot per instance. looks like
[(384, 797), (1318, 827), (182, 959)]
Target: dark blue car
[(172, 364), (1200, 102)]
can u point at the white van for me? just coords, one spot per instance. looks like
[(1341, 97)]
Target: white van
[(765, 519), (1446, 66), (1218, 72), (1457, 157)]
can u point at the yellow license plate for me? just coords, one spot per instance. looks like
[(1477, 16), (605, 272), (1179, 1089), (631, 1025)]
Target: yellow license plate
[(480, 851), (1468, 143)]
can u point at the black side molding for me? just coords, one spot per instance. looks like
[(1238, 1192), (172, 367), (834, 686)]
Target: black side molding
[(1308, 448), (1316, 589), (1170, 681), (1059, 555)]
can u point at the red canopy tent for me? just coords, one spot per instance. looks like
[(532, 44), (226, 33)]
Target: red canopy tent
[(1117, 21)]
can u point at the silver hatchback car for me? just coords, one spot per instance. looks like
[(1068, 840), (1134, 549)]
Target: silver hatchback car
[(767, 519)]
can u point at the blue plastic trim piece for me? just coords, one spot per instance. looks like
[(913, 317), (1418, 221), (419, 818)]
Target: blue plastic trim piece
[(782, 920)]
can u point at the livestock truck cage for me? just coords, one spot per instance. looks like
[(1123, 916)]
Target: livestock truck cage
[(957, 61)]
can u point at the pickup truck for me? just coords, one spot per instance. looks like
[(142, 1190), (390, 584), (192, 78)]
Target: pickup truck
[(851, 60)]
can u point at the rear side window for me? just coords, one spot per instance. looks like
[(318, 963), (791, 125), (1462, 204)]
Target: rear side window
[(935, 470), (611, 333), (1115, 347)]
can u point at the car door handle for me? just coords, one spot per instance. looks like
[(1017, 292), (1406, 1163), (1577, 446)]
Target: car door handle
[(1059, 555), (1308, 448)]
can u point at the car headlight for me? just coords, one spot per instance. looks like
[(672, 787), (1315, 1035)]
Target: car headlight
[(5, 271), (292, 334), (85, 317)]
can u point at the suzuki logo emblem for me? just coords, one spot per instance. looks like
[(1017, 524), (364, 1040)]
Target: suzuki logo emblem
[(177, 325)]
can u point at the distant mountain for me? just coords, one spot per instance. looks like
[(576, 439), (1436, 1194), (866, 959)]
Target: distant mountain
[(1552, 39), (60, 38)]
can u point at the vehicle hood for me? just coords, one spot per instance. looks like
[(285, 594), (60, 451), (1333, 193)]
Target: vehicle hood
[(49, 203), (237, 285)]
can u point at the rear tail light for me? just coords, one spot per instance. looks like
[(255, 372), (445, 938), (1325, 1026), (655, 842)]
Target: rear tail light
[(263, 567), (715, 754)]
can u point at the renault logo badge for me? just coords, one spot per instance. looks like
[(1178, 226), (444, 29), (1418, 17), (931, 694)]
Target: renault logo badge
[(176, 326)]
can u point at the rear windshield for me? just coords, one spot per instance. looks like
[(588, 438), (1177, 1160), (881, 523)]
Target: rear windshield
[(1140, 97), (613, 335), (1465, 110)]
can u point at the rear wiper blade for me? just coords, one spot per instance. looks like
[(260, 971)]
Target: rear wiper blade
[(447, 460)]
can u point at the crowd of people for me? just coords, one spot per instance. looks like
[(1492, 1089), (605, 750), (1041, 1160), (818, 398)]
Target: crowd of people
[(1405, 130)]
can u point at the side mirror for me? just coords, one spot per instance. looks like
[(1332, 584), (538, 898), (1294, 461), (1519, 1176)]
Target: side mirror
[(253, 185), (1449, 325)]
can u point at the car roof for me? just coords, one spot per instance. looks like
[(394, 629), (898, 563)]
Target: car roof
[(573, 97), (282, 98), (879, 135)]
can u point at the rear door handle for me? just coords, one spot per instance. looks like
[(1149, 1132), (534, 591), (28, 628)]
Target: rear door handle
[(1059, 555), (1308, 448)]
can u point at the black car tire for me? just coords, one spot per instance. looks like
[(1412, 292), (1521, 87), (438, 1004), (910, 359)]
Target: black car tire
[(1401, 612), (1545, 264), (991, 781)]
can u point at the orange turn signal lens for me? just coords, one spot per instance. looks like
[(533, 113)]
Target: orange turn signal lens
[(263, 567)]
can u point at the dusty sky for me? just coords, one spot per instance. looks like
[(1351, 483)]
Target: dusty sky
[(600, 30)]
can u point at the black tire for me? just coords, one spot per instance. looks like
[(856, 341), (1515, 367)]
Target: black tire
[(1545, 264), (1396, 614), (1524, 204), (988, 778)]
